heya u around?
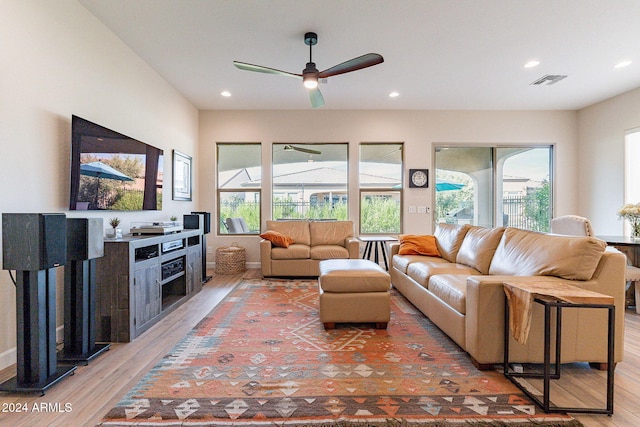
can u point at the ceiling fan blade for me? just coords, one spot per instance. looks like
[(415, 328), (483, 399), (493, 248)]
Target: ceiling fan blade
[(354, 64), (302, 150), (261, 69), (317, 100)]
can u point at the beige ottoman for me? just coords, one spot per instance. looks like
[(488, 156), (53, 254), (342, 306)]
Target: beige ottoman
[(354, 291)]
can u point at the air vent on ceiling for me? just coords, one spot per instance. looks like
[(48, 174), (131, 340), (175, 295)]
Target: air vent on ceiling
[(549, 79)]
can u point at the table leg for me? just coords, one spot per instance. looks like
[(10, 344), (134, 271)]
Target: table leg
[(384, 255), (376, 249), (610, 356), (367, 251), (547, 358)]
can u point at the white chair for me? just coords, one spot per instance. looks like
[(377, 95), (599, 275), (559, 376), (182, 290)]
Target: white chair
[(571, 225), (633, 275), (574, 225), (237, 226)]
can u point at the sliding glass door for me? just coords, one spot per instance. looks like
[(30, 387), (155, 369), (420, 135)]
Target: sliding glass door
[(494, 186)]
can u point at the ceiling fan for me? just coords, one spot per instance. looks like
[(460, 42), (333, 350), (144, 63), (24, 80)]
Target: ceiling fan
[(310, 75), (289, 147)]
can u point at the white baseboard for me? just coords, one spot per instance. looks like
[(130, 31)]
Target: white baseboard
[(252, 264), (10, 356)]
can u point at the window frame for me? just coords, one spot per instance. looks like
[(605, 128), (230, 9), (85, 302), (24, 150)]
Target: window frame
[(497, 181), (220, 190), (399, 190)]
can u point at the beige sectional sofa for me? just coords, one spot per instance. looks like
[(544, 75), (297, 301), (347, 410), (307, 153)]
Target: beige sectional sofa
[(314, 241), (462, 291)]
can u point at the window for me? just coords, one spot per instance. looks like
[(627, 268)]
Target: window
[(239, 188), (310, 181), (380, 177), (494, 186), (631, 171), (524, 181)]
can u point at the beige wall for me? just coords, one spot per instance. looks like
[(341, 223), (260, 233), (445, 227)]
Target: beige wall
[(58, 60), (602, 128), (419, 130)]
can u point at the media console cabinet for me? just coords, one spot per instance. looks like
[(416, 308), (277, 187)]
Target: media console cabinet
[(141, 279)]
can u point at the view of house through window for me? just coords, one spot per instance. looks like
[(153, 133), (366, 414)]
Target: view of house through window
[(310, 181), (239, 185), (380, 178), (494, 186)]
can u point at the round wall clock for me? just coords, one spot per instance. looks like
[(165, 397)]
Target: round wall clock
[(418, 178)]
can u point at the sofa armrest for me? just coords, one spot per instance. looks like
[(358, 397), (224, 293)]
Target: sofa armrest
[(393, 249), (353, 246), (265, 257), (484, 317), (484, 324)]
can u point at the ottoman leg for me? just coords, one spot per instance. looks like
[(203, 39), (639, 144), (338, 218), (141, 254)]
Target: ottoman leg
[(381, 325), (329, 325)]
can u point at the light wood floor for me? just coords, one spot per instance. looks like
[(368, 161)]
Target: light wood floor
[(96, 388)]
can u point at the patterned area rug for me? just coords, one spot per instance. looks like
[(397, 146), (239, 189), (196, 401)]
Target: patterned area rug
[(262, 357)]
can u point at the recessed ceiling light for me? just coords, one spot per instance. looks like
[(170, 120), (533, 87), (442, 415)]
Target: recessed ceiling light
[(225, 93), (394, 94), (622, 64), (531, 64)]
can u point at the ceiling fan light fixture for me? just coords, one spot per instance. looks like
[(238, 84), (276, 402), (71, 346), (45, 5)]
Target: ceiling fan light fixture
[(310, 76), (310, 82)]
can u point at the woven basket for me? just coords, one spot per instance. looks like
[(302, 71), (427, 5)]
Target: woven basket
[(230, 259)]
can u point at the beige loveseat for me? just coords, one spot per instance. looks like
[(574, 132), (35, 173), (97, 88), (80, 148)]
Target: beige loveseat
[(462, 291), (314, 241)]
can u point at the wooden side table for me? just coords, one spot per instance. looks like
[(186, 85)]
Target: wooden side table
[(553, 296)]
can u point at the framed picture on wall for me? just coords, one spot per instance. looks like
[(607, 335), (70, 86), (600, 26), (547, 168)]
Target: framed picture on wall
[(181, 176)]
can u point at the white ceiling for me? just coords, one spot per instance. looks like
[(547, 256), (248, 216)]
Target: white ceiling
[(439, 54)]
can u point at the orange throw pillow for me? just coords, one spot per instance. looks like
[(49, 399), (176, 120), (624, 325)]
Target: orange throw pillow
[(277, 239), (412, 244)]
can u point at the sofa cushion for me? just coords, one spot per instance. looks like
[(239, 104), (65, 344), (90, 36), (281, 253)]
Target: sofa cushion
[(478, 247), (294, 251), (413, 244), (330, 232), (328, 252), (277, 238), (401, 262), (421, 272), (449, 237), (451, 289), (529, 253), (297, 230)]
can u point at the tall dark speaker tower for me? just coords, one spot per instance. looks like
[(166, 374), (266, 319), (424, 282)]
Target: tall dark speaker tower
[(85, 243), (206, 227), (33, 245)]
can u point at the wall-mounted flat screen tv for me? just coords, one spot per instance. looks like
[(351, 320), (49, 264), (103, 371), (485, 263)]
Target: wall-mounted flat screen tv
[(111, 171)]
